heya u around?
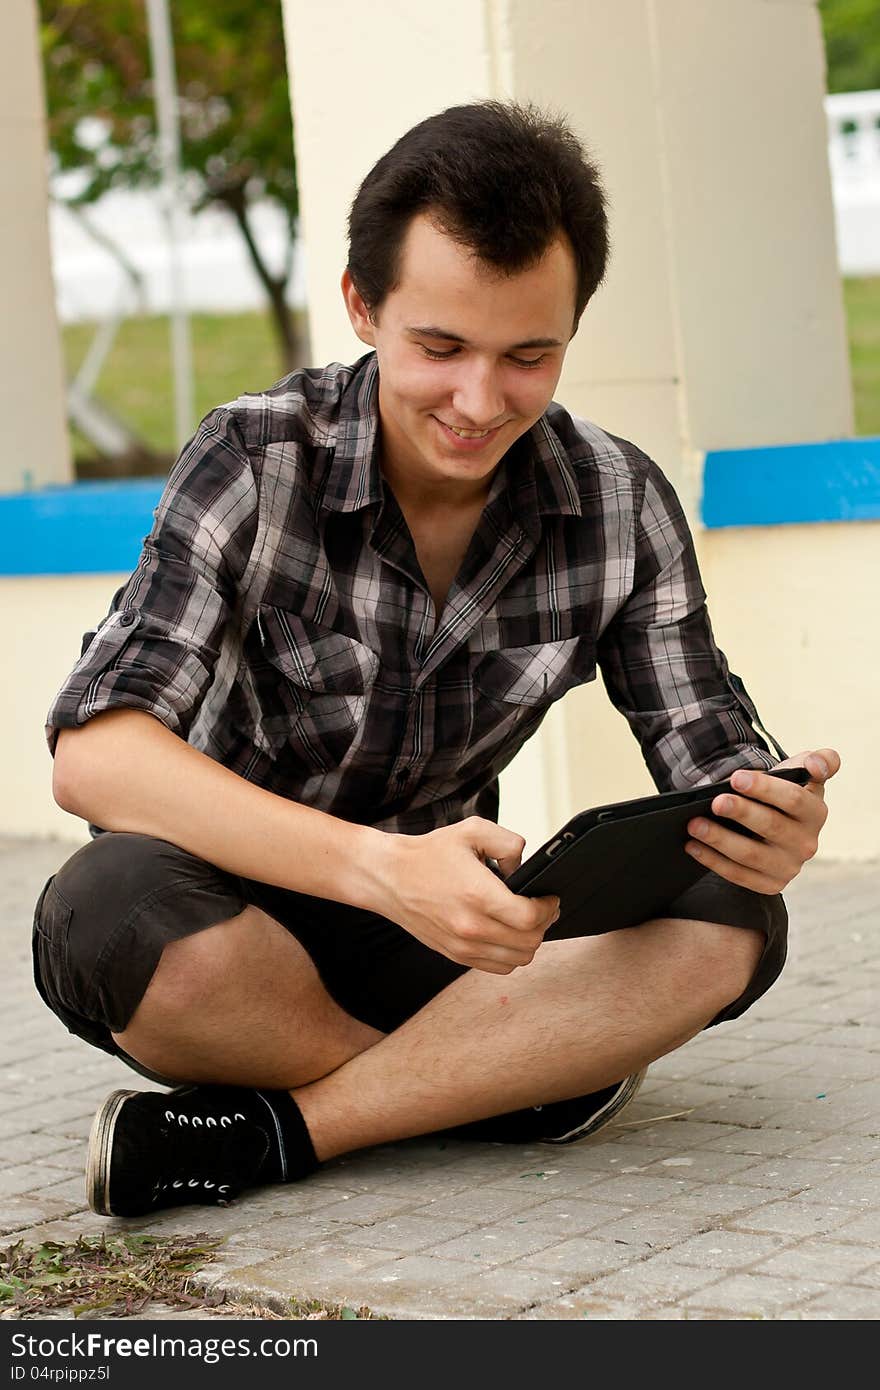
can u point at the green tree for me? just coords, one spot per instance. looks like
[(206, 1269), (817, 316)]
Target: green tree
[(236, 132), (852, 44)]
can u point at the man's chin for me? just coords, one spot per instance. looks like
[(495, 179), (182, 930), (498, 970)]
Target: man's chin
[(472, 466)]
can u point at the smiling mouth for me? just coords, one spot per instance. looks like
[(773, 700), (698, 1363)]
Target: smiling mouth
[(467, 435)]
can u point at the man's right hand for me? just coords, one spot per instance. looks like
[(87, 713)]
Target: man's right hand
[(439, 888)]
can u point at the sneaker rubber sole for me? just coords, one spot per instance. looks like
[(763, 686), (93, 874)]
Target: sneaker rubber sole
[(99, 1151), (616, 1103)]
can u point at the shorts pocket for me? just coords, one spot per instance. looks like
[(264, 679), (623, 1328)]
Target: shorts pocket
[(52, 917)]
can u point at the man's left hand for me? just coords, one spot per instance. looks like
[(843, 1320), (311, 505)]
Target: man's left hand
[(788, 819)]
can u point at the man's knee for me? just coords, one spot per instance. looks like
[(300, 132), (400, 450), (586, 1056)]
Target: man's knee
[(719, 960), (104, 919), (197, 972)]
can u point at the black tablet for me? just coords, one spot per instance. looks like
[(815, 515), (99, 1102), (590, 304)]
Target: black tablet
[(614, 866)]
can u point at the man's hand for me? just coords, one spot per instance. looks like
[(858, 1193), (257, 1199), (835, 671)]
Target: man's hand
[(788, 819), (439, 888)]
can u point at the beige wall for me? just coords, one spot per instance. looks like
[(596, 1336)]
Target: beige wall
[(35, 445), (43, 621), (797, 608)]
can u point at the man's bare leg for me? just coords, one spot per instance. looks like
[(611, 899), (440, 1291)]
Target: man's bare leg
[(582, 1016), (241, 1003)]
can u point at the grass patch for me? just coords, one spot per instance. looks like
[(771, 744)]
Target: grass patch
[(862, 301), (231, 353), (122, 1275)]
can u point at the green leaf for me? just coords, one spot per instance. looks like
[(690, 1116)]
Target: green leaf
[(47, 1252), (9, 1289)]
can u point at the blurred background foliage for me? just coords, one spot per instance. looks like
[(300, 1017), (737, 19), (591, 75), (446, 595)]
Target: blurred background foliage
[(235, 121), (237, 149), (852, 44)]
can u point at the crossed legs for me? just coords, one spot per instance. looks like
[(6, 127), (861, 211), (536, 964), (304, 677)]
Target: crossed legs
[(241, 1003)]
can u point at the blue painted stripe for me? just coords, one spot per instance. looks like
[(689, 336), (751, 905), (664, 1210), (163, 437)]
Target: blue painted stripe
[(834, 481), (99, 527), (80, 528)]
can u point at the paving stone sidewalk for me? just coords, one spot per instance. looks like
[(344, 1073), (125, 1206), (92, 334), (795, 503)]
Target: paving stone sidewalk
[(743, 1182)]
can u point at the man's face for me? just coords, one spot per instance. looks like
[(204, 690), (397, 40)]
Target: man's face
[(468, 359)]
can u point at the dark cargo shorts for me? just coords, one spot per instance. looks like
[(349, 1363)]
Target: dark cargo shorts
[(102, 921)]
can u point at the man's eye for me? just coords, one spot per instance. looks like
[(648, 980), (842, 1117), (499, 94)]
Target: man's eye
[(527, 362)]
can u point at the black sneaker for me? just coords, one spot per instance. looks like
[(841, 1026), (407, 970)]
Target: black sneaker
[(560, 1122), (152, 1149)]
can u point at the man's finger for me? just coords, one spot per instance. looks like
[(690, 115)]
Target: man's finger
[(508, 864), (520, 913), (775, 791), (743, 875), (822, 764), (756, 816)]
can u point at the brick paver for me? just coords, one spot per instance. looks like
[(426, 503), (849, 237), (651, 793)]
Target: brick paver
[(742, 1183)]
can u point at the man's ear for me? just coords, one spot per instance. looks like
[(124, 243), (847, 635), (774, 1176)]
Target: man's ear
[(358, 312)]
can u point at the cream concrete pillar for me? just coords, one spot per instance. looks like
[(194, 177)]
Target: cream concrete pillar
[(44, 618), (721, 323), (36, 448), (360, 76)]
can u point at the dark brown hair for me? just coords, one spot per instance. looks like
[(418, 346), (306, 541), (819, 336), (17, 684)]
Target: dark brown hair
[(502, 178)]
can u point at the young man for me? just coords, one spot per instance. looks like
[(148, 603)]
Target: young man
[(362, 591)]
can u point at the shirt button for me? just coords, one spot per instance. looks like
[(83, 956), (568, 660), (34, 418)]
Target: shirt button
[(127, 619)]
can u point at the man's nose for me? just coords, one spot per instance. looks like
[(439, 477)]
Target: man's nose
[(478, 398)]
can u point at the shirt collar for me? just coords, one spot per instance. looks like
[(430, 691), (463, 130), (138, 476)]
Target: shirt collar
[(353, 480), (537, 477)]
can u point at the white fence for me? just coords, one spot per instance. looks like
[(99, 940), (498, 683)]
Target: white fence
[(93, 283), (854, 159)]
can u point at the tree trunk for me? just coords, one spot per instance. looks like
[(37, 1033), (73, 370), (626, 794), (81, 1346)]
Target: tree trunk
[(292, 343)]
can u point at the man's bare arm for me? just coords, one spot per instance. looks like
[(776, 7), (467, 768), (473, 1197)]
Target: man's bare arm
[(125, 771)]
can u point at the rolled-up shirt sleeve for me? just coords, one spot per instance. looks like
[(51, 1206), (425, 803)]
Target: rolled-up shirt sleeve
[(693, 717), (157, 647)]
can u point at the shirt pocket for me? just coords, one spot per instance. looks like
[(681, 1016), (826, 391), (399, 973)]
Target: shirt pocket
[(520, 681), (314, 686)]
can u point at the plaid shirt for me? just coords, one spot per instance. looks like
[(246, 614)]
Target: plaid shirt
[(278, 619)]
